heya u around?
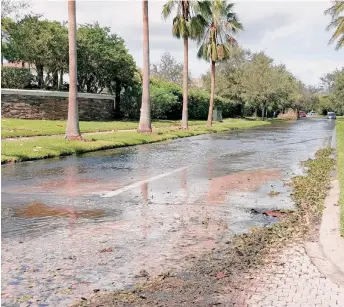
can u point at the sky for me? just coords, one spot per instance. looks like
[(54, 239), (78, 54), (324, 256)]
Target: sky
[(291, 32)]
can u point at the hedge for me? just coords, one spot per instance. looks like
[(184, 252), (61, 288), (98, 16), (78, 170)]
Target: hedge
[(12, 77), (167, 101)]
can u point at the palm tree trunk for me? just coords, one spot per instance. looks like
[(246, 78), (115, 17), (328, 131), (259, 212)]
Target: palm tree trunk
[(145, 116), (212, 94), (72, 131), (185, 84)]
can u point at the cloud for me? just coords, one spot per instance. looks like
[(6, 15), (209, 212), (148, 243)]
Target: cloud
[(291, 32)]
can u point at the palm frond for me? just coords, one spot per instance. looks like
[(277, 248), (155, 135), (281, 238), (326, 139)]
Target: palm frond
[(222, 24), (340, 43), (167, 8), (337, 23), (336, 9), (201, 51)]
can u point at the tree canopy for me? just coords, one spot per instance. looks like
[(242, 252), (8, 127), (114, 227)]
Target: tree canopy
[(168, 69), (103, 59), (254, 80)]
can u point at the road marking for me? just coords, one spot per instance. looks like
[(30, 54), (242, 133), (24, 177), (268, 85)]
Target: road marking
[(139, 183)]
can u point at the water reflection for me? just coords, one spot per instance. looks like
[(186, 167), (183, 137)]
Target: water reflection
[(152, 226), (39, 210), (183, 180), (240, 181)]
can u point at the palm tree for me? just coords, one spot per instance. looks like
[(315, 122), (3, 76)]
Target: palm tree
[(188, 23), (72, 131), (337, 13), (145, 116), (218, 40)]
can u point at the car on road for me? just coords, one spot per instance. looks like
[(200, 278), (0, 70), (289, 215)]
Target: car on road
[(312, 113), (302, 114), (331, 115)]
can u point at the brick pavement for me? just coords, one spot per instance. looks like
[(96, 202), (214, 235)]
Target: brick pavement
[(291, 279)]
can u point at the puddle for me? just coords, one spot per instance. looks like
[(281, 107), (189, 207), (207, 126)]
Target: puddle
[(36, 210), (240, 181)]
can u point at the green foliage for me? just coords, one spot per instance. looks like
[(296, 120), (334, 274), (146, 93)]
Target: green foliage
[(13, 7), (163, 102), (168, 70), (198, 102), (167, 100), (221, 24), (338, 93), (13, 127), (337, 23), (253, 80), (333, 98), (15, 77), (40, 42), (54, 146), (189, 21), (103, 60), (340, 167)]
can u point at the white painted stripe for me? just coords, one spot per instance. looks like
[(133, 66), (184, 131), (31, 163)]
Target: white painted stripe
[(139, 183)]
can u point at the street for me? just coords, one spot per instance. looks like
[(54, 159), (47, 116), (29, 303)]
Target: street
[(103, 220)]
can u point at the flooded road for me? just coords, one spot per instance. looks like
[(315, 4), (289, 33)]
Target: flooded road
[(106, 220)]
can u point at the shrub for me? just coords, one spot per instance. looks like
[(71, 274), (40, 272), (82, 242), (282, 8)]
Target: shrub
[(164, 104), (131, 102), (167, 102), (15, 77)]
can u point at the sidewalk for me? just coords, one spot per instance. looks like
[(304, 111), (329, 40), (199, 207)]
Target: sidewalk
[(303, 274), (291, 279)]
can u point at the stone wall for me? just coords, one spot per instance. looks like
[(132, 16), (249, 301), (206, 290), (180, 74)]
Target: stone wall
[(53, 105)]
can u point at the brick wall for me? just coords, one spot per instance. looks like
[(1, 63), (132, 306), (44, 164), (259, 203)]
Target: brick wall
[(27, 104)]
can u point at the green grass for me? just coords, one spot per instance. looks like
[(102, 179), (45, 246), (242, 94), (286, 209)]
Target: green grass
[(54, 146), (340, 153), (11, 127)]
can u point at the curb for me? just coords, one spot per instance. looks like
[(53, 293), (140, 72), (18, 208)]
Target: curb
[(327, 254)]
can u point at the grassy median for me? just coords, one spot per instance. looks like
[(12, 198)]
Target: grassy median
[(340, 153), (54, 146), (12, 127)]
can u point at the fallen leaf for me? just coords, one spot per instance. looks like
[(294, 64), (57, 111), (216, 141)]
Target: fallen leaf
[(106, 250), (273, 213), (220, 275)]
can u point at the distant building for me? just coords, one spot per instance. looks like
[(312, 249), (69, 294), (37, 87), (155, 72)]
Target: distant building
[(21, 65)]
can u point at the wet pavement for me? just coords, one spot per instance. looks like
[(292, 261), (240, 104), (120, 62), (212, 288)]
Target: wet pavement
[(103, 220)]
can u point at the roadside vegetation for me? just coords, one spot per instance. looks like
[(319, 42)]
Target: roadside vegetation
[(11, 127), (225, 265), (243, 84), (340, 163), (54, 146)]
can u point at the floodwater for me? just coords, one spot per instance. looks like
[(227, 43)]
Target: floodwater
[(105, 220)]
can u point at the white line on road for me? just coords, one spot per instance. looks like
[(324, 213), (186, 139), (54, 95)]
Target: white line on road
[(137, 184)]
